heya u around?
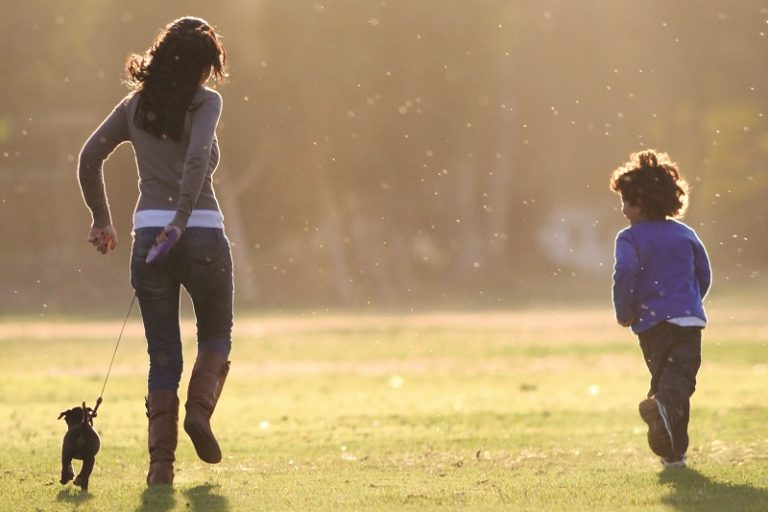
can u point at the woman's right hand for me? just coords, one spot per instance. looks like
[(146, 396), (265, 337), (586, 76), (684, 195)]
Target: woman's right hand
[(165, 232), (104, 239)]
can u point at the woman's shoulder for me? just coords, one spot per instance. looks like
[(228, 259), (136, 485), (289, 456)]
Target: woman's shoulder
[(205, 95), (125, 102)]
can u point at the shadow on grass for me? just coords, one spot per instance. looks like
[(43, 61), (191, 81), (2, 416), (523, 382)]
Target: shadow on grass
[(157, 498), (201, 499), (692, 491), (72, 494)]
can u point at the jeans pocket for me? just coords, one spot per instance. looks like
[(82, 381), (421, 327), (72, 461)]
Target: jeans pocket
[(142, 276), (209, 260), (143, 240), (206, 247), (213, 272)]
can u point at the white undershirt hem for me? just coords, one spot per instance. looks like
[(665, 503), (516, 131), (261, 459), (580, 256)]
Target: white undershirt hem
[(688, 321), (161, 218)]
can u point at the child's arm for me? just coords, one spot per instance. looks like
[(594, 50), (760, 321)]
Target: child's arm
[(624, 279), (701, 267)]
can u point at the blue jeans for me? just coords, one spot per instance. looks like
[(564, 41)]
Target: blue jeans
[(201, 262)]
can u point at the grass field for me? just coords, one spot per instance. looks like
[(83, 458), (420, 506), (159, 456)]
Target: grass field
[(526, 410)]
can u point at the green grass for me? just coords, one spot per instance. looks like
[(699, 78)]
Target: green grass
[(507, 410)]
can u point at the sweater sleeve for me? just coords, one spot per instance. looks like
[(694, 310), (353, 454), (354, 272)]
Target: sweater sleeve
[(701, 266), (625, 273), (203, 130), (111, 133)]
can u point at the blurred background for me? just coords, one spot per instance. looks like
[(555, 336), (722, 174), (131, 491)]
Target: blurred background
[(397, 154)]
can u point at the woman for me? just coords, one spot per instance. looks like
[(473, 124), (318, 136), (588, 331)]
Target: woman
[(170, 118)]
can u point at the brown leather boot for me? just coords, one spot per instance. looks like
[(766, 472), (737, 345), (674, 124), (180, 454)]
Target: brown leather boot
[(205, 386), (163, 414)]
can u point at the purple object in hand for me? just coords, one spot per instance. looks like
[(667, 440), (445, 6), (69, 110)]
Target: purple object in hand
[(159, 251)]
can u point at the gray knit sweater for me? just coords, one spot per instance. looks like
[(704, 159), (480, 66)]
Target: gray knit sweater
[(175, 177)]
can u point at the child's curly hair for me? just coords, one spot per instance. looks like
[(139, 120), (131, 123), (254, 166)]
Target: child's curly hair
[(651, 181)]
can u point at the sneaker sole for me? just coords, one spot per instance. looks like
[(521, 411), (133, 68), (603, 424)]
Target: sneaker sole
[(659, 433)]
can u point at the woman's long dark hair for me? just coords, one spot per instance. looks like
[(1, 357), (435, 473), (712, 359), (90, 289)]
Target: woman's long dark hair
[(167, 75)]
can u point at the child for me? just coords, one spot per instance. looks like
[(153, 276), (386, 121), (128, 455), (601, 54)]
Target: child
[(661, 276)]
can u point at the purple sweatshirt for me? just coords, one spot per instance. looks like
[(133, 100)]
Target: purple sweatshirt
[(175, 177), (662, 273)]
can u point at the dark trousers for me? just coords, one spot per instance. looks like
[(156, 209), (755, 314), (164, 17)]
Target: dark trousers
[(673, 356), (201, 262)]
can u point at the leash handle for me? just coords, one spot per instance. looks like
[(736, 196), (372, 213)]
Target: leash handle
[(109, 370)]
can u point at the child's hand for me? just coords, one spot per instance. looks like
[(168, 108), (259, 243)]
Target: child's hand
[(626, 323)]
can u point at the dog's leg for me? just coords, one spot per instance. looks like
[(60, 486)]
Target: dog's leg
[(67, 473), (85, 473)]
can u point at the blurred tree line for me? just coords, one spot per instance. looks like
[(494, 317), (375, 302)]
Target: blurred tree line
[(396, 153)]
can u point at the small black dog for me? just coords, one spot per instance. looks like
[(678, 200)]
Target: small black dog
[(80, 442)]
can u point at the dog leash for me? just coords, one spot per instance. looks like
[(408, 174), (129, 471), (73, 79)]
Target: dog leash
[(109, 370)]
